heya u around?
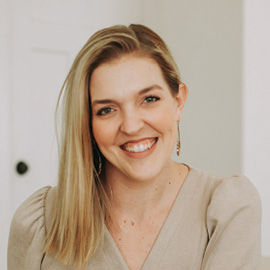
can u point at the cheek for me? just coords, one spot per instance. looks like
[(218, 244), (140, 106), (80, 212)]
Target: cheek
[(97, 130), (165, 120), (103, 132)]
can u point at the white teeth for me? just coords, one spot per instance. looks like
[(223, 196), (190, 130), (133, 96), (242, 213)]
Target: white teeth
[(140, 148)]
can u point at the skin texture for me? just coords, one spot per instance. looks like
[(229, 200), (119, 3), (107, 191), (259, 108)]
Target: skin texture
[(133, 108)]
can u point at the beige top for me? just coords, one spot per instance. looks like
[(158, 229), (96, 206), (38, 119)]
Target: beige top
[(214, 224)]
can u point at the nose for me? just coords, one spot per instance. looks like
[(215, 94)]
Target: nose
[(131, 122)]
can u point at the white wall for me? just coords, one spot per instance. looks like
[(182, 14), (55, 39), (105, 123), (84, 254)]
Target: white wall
[(256, 105), (206, 40)]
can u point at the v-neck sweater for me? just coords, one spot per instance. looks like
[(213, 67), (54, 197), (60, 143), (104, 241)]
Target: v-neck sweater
[(214, 224)]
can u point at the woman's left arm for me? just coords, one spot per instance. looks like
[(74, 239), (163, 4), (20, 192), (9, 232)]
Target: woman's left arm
[(234, 227)]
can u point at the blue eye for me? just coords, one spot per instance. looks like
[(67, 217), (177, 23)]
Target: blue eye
[(150, 99), (104, 111)]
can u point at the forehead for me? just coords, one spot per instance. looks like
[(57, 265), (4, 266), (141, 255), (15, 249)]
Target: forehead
[(125, 76)]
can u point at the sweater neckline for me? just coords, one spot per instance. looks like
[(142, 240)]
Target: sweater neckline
[(176, 215)]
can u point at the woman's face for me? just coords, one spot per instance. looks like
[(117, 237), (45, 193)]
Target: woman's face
[(134, 116)]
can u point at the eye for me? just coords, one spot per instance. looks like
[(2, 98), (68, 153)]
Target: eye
[(104, 111), (150, 99)]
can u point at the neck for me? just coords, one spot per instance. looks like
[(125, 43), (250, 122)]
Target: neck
[(138, 197)]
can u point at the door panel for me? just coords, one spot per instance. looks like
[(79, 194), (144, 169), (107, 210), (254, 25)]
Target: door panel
[(34, 122), (43, 49)]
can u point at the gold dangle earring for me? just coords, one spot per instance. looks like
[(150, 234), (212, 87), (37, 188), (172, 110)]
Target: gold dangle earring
[(178, 145), (99, 164)]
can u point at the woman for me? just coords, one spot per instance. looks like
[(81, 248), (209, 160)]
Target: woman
[(121, 202)]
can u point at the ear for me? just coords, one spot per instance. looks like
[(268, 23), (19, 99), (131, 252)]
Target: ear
[(181, 98)]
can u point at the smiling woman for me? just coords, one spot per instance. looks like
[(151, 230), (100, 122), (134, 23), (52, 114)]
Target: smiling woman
[(121, 202)]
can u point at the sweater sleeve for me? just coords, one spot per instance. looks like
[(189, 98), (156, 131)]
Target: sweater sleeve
[(234, 227), (27, 233)]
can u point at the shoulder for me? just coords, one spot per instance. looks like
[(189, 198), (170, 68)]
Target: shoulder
[(232, 202), (31, 211), (226, 190), (28, 230), (233, 222), (224, 197), (234, 192)]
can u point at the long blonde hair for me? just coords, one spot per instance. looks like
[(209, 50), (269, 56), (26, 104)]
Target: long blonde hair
[(82, 205)]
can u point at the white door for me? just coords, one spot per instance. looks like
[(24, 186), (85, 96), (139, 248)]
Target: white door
[(42, 51)]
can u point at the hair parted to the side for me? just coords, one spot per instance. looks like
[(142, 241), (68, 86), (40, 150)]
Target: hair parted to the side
[(82, 206)]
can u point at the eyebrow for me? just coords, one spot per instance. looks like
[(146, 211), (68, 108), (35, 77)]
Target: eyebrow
[(141, 92)]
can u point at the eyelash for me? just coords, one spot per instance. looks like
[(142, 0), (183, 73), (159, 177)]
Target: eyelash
[(152, 99), (104, 111), (107, 110)]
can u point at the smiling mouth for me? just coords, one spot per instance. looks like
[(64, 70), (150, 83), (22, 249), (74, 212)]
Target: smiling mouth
[(139, 147)]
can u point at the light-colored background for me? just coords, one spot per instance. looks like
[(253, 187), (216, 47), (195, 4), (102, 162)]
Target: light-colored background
[(221, 47)]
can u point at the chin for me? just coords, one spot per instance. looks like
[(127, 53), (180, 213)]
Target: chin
[(143, 175)]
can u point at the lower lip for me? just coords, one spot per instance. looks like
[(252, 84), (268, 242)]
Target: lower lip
[(143, 154)]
